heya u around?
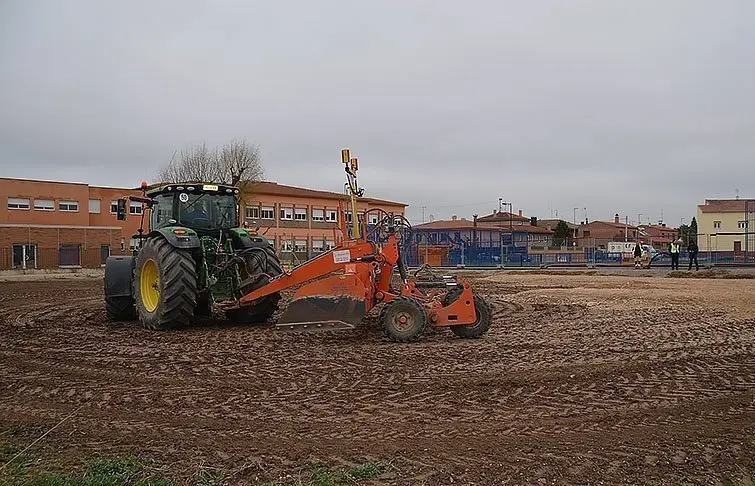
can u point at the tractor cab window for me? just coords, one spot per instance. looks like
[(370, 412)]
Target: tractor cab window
[(206, 211), (162, 211)]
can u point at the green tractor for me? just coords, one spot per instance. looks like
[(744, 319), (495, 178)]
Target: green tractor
[(193, 254)]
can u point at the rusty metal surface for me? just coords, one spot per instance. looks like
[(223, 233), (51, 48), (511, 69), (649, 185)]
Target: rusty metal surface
[(343, 309)]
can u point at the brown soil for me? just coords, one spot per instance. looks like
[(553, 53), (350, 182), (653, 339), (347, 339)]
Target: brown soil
[(582, 379)]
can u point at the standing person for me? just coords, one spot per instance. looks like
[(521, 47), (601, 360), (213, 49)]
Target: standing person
[(674, 250), (692, 250), (637, 255)]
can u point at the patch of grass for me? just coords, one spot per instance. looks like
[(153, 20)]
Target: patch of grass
[(98, 471)]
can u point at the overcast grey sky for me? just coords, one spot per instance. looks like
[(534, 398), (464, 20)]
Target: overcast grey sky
[(617, 106)]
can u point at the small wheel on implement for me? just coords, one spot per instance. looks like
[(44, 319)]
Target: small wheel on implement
[(403, 320), (484, 316)]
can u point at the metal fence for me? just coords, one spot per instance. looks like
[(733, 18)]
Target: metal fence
[(588, 252)]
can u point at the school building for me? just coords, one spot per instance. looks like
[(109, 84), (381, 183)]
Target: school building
[(49, 224)]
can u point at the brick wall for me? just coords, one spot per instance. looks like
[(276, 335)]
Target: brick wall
[(82, 246)]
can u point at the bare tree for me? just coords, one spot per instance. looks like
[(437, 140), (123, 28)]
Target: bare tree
[(236, 163), (240, 163)]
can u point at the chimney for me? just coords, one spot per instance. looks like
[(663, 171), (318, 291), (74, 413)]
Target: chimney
[(616, 218), (453, 218), (474, 219), (520, 212)]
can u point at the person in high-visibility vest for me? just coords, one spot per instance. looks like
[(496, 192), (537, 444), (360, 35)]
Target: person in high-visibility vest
[(674, 250)]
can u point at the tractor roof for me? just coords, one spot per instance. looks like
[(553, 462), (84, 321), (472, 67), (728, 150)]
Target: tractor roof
[(192, 187)]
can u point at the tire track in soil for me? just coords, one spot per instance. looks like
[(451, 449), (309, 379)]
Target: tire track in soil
[(565, 375)]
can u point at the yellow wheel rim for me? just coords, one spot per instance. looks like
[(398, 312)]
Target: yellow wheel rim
[(149, 284)]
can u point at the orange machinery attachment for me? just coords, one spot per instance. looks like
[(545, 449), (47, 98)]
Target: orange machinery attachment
[(340, 286)]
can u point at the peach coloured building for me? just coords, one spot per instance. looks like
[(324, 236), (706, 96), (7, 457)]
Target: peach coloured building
[(46, 224)]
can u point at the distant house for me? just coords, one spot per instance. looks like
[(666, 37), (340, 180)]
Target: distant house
[(597, 234), (657, 235), (496, 235), (724, 225)]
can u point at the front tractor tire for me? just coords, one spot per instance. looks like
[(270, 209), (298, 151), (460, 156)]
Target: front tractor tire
[(165, 285), (261, 265)]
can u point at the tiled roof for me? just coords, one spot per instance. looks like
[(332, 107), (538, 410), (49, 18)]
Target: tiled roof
[(612, 223), (725, 205), (465, 224), (502, 216), (273, 188)]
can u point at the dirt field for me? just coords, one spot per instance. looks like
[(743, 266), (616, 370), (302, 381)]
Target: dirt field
[(583, 379)]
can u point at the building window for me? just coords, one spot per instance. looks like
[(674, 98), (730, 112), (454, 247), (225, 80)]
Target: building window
[(44, 205), (94, 205), (135, 207), (372, 218), (348, 217), (287, 246), (300, 246), (331, 216), (318, 215), (742, 224), (133, 244), (267, 213), (318, 246), (114, 206), (287, 213), (300, 214), (717, 224), (18, 203), (329, 245), (252, 212), (70, 206)]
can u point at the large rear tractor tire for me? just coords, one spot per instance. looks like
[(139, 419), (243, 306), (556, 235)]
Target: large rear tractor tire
[(403, 320), (484, 316), (165, 285), (262, 264)]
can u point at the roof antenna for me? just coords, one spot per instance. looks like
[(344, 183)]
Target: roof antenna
[(737, 191)]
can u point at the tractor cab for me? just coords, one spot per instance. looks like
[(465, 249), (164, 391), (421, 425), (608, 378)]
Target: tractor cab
[(205, 208)]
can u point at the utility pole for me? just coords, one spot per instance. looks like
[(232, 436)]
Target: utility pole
[(500, 229), (626, 228), (639, 219), (575, 215), (585, 209)]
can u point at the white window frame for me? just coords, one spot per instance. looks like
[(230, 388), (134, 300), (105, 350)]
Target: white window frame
[(267, 210), (329, 245), (716, 224), (318, 246), (49, 207), (18, 203), (114, 206), (742, 224), (67, 204), (287, 246), (252, 212), (300, 214), (318, 215), (286, 213), (135, 207), (373, 218), (331, 216), (347, 215), (99, 206), (300, 246)]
